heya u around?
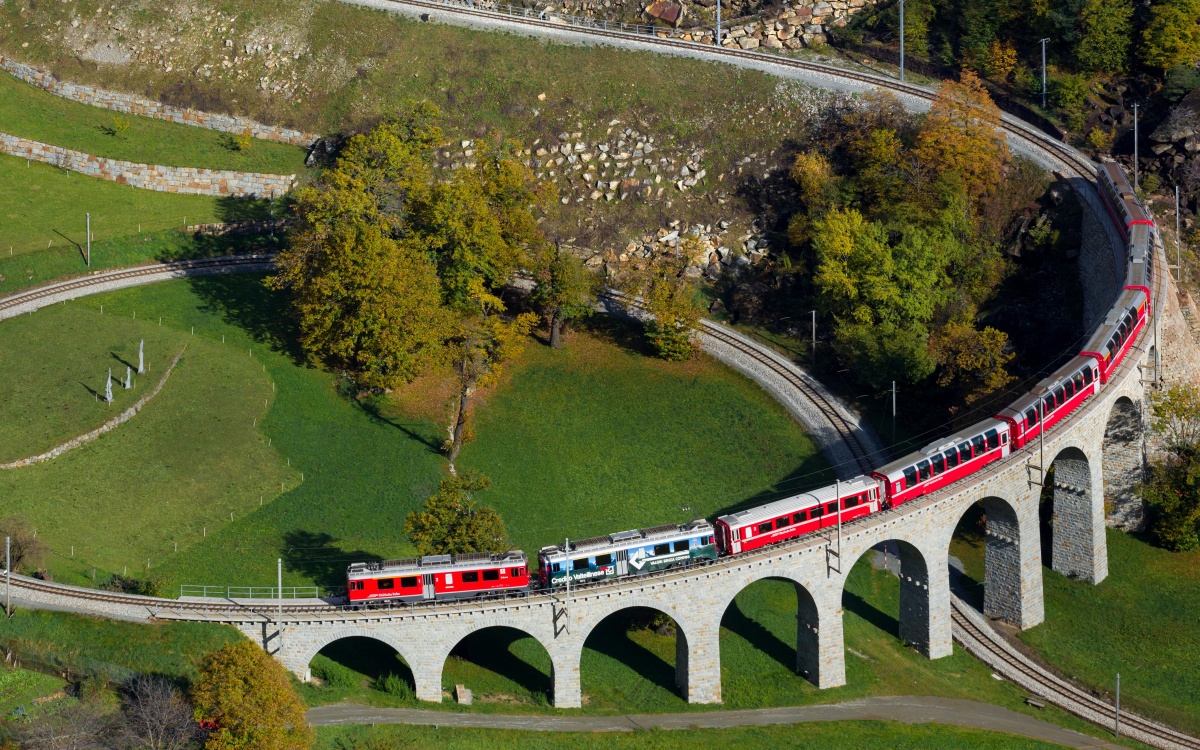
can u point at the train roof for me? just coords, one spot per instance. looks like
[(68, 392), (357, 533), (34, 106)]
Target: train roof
[(631, 538), (1137, 214), (849, 487), (1116, 177), (1099, 338), (435, 563), (959, 436), (1074, 365)]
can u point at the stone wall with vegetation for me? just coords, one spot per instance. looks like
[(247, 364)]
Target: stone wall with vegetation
[(142, 107), (189, 180)]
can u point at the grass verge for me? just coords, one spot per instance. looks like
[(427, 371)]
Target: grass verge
[(30, 112)]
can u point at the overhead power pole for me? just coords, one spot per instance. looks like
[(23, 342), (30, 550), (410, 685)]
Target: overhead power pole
[(89, 240), (1135, 145), (1043, 43), (901, 41)]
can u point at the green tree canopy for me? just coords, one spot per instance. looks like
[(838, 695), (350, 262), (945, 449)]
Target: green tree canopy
[(1172, 490), (1172, 35), (1106, 35), (565, 289), (452, 523), (669, 296)]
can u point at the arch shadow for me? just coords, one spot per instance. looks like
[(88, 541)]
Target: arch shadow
[(1123, 466), (777, 617), (1071, 523), (361, 661), (494, 660), (613, 637), (911, 624)]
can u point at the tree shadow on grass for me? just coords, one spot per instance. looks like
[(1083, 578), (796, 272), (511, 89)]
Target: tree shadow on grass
[(812, 473), (491, 649), (371, 408), (611, 638), (243, 301), (618, 330), (369, 657), (315, 555), (869, 612), (738, 622)]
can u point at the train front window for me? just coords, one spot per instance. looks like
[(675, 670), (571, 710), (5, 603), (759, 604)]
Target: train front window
[(939, 464), (408, 582), (604, 559), (557, 568), (681, 545)]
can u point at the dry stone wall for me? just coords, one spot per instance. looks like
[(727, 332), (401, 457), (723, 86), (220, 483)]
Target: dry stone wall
[(136, 105), (188, 180)]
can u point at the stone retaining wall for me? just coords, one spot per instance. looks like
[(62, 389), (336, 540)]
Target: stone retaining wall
[(108, 426), (151, 176), (136, 105)]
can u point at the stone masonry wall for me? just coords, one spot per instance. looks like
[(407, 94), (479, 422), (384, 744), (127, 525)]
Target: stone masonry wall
[(151, 176), (136, 105)]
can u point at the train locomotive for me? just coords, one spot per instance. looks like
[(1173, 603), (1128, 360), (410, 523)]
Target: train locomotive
[(943, 462)]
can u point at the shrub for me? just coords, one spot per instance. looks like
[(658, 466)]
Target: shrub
[(250, 698), (333, 674), (149, 586), (1150, 183), (1100, 139), (1070, 96), (394, 685)]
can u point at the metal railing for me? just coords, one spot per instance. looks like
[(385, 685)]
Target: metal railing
[(254, 592)]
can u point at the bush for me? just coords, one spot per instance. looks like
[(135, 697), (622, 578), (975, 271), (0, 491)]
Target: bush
[(333, 674), (1151, 183), (149, 586), (1181, 81), (394, 685), (1069, 93)]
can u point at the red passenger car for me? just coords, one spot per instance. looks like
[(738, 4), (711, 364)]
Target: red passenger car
[(438, 577), (795, 516), (943, 462), (1112, 341), (1051, 400)]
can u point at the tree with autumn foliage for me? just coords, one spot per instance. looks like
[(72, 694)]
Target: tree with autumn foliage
[(669, 296), (565, 290), (249, 697), (971, 360), (1172, 36), (452, 523), (959, 139)]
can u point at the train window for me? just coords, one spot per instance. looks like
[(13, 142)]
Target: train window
[(1088, 376), (910, 475), (923, 470), (491, 575), (816, 512), (557, 567), (580, 564), (385, 584), (850, 502), (604, 559), (939, 464), (356, 585), (408, 582), (964, 452), (800, 517), (993, 439), (979, 444), (516, 572), (662, 549), (951, 458), (763, 528), (1058, 397), (1068, 389), (1031, 418), (681, 545), (449, 578), (1078, 379), (470, 576), (1004, 438), (831, 508), (1048, 404)]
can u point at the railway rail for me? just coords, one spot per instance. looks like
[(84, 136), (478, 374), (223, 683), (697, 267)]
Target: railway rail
[(969, 627)]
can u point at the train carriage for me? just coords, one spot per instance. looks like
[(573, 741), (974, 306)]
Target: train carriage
[(633, 552), (1113, 340), (797, 515), (438, 577), (943, 462), (1119, 199), (1051, 400)]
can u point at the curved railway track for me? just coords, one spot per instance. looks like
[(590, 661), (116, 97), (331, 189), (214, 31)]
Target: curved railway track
[(975, 635)]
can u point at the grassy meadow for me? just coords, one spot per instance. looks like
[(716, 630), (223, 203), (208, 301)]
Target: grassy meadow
[(30, 112)]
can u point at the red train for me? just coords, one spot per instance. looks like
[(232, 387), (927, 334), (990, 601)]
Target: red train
[(939, 464)]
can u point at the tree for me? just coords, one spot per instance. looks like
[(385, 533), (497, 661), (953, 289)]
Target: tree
[(1177, 418), (960, 136), (78, 726), (363, 283), (156, 716), (1172, 35), (26, 550), (1172, 490), (452, 523), (669, 296), (971, 360), (484, 343), (249, 696), (1106, 33), (565, 290)]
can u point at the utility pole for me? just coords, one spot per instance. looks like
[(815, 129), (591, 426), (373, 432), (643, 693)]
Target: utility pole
[(1178, 241), (279, 622), (893, 414), (8, 576), (89, 240), (814, 336), (902, 41), (1135, 145), (1043, 43), (1117, 712), (718, 23)]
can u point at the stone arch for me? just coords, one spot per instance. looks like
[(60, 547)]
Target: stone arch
[(1012, 581), (300, 663), (806, 659), (489, 646), (697, 650), (1123, 456), (1078, 548), (924, 616)]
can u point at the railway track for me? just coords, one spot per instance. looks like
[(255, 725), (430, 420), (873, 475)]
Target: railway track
[(969, 627)]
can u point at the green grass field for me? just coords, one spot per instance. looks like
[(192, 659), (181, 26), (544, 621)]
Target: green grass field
[(42, 208), (845, 735), (30, 112), (24, 691)]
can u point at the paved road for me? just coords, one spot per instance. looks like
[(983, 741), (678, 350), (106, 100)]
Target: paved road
[(907, 709)]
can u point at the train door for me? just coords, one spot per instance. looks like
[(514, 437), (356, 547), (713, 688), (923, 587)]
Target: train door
[(428, 593), (622, 558)]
